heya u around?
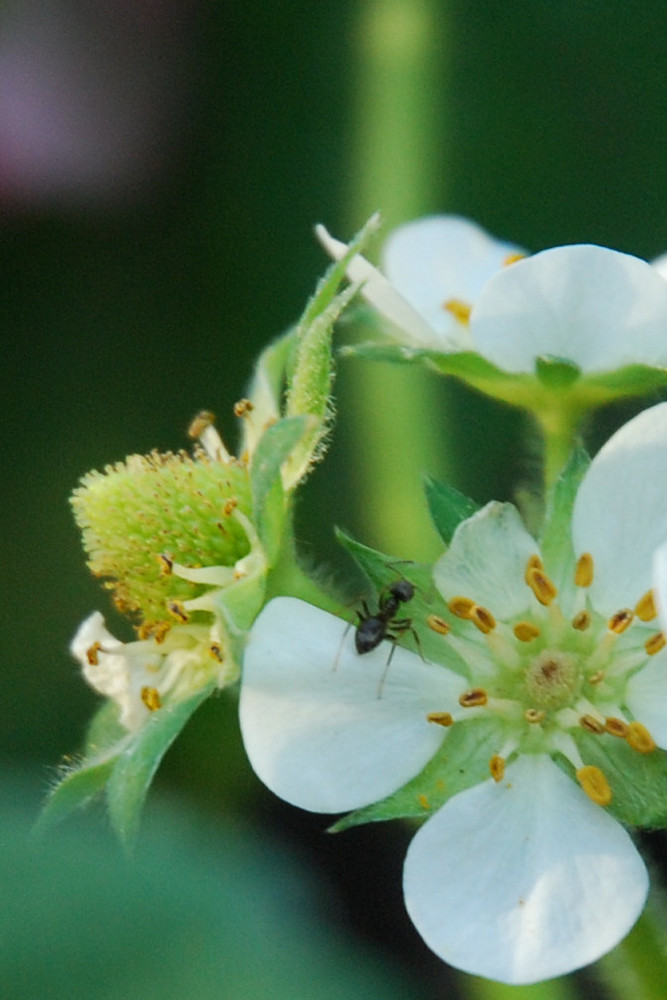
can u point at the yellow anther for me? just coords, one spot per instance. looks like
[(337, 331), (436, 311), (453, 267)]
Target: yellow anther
[(166, 564), (482, 619), (596, 677), (655, 644), (639, 738), (462, 607), (540, 584), (215, 649), (592, 724), (230, 506), (534, 562), (459, 309), (440, 718), (423, 802), (438, 624), (583, 574), (594, 783), (645, 608), (160, 631), (176, 609), (617, 727), (473, 698), (620, 620), (534, 715), (151, 698), (497, 767), (200, 422), (243, 407), (581, 621), (526, 631), (91, 654), (512, 258)]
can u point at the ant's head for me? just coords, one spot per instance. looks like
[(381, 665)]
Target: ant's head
[(402, 590)]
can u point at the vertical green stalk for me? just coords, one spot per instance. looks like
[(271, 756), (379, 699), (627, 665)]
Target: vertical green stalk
[(395, 414), (485, 989)]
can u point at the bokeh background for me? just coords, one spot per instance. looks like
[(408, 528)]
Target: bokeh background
[(162, 164)]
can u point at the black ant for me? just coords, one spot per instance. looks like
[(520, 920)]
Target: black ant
[(384, 624)]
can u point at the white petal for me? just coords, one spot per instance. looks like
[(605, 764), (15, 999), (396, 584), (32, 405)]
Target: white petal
[(646, 697), (523, 880), (596, 307), (620, 513), (325, 728), (382, 295), (486, 561), (438, 258)]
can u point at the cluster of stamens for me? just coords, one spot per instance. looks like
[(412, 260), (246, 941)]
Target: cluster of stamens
[(548, 674)]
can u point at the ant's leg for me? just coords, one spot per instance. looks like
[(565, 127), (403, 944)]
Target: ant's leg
[(340, 645), (392, 639)]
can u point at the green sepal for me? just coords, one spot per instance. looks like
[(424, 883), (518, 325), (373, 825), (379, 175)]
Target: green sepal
[(556, 373), (80, 784), (138, 761), (461, 762), (638, 781), (556, 540), (448, 507), (269, 505), (625, 382)]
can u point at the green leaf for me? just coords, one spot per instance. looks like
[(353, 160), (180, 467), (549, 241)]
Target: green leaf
[(461, 762), (638, 781), (135, 767), (80, 784), (447, 507), (268, 499)]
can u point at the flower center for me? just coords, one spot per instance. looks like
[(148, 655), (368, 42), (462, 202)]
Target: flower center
[(551, 680), (560, 669)]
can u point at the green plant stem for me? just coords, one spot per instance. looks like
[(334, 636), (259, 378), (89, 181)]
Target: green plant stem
[(288, 578), (393, 417), (559, 429)]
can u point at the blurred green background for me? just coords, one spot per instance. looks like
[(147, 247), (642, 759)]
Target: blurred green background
[(162, 165)]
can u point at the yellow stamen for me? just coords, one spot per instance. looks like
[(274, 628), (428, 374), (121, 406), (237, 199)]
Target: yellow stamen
[(592, 724), (459, 309), (440, 718), (497, 767), (423, 802), (645, 608), (215, 649), (616, 727), (534, 562), (655, 644), (91, 654), (200, 422), (461, 607), (526, 631), (583, 574), (512, 258), (473, 698), (438, 624), (620, 621), (230, 506), (243, 407), (540, 584), (534, 715), (482, 619), (166, 564), (151, 698), (639, 738), (581, 621), (594, 783), (596, 677), (176, 609)]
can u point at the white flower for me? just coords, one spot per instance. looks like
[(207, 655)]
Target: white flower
[(555, 687), (140, 675), (446, 289)]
